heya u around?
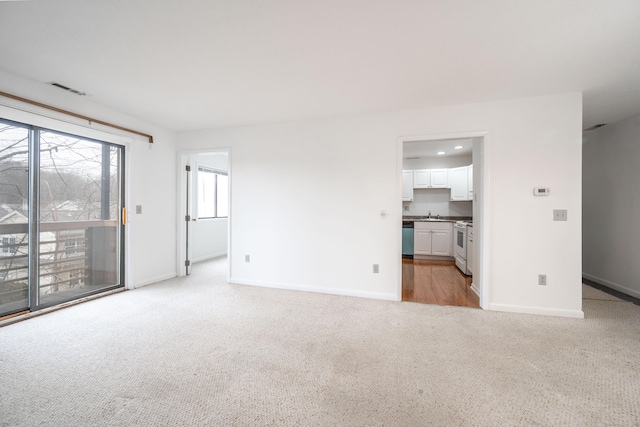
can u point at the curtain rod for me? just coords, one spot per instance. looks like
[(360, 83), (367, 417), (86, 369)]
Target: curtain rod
[(79, 116)]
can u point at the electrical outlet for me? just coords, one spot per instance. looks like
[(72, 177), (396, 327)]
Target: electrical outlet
[(247, 258), (542, 279), (559, 214), (376, 268), (138, 209)]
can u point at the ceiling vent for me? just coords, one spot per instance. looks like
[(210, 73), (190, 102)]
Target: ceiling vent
[(68, 89), (594, 127)]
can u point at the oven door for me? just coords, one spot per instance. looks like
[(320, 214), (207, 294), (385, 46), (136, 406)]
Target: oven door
[(460, 241)]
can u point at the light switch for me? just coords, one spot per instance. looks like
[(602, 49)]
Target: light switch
[(138, 209)]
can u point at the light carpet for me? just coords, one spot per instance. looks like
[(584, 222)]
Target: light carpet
[(197, 351)]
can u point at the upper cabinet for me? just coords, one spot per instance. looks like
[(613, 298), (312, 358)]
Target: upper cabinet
[(459, 180), (431, 178), (439, 178), (422, 178), (470, 182), (407, 186)]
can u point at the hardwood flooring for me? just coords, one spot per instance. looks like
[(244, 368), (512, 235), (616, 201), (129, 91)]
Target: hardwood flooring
[(436, 282)]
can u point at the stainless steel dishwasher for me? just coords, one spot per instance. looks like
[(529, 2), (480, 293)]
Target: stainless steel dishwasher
[(407, 239)]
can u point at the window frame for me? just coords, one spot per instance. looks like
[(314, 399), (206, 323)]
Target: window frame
[(216, 172)]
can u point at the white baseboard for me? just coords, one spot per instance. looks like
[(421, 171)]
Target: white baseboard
[(578, 314), (207, 257), (474, 288), (154, 280), (612, 285), (316, 289)]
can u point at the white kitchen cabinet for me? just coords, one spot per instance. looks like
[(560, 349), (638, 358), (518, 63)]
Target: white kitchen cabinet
[(432, 238), (431, 178), (422, 241), (441, 242), (470, 182), (422, 178), (407, 186), (459, 180), (439, 178)]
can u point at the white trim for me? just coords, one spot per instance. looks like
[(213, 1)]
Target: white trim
[(474, 288), (399, 208), (443, 135), (577, 314), (315, 289), (481, 224), (206, 257), (29, 115), (129, 227), (155, 280), (18, 318), (612, 285), (183, 158)]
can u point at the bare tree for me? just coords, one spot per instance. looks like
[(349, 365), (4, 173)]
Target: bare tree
[(73, 186)]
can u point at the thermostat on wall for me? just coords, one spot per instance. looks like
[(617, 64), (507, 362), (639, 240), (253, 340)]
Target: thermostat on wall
[(540, 191)]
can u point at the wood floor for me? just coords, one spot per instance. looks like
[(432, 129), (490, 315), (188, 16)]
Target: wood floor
[(436, 282)]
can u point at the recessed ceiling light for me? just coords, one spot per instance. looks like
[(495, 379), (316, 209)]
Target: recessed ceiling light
[(440, 153), (458, 147)]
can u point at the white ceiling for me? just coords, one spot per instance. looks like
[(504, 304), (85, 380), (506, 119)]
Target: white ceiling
[(195, 64), (422, 149)]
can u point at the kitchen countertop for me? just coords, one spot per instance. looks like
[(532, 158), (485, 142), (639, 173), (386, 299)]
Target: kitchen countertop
[(434, 219)]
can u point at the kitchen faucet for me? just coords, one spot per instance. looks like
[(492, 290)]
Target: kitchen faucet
[(429, 216)]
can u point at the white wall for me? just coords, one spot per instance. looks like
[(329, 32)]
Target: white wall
[(438, 202), (307, 200), (208, 236), (611, 205), (151, 250)]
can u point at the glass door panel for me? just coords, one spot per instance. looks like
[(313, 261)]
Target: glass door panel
[(14, 218), (80, 228)]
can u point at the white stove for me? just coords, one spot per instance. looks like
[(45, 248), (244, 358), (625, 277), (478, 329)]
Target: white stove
[(460, 245)]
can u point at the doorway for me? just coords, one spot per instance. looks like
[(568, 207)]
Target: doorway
[(61, 217), (206, 208), (442, 193)]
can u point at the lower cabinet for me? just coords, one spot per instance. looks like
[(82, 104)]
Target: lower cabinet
[(432, 238)]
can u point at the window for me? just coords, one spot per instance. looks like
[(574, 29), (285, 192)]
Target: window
[(8, 245), (74, 230), (213, 193)]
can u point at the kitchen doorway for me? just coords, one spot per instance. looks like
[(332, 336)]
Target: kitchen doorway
[(442, 211), (204, 208)]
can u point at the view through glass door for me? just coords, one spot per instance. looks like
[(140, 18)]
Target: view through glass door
[(60, 217)]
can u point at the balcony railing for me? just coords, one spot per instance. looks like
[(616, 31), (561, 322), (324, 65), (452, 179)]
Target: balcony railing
[(75, 258)]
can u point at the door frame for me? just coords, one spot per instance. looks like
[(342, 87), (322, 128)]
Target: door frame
[(481, 196), (181, 250)]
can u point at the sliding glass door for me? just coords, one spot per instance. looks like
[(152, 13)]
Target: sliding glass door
[(61, 228), (14, 218)]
